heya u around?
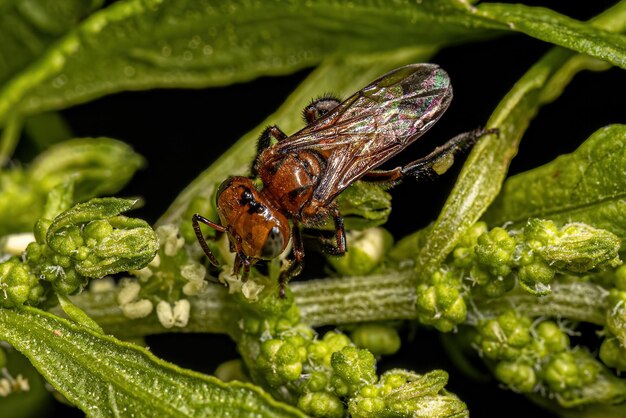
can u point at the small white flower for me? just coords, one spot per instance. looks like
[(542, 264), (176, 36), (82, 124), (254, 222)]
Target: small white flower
[(165, 314), (138, 309), (182, 308), (251, 290), (170, 240), (195, 288), (103, 285), (143, 274), (176, 317), (194, 272), (129, 291)]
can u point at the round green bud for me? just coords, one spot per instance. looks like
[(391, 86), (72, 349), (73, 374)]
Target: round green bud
[(377, 338), (536, 277), (470, 237), (518, 376), (270, 347), (321, 404), (290, 372), (540, 232), (69, 282), (335, 341), (562, 373), (441, 306), (552, 338), (18, 283), (480, 275), (612, 354), (96, 231), (463, 257), (366, 407), (33, 253), (67, 240), (340, 386), (367, 250), (251, 325), (504, 337), (393, 381), (495, 249), (316, 382), (497, 286), (355, 366), (369, 391)]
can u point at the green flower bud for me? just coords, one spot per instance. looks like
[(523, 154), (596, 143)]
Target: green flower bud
[(316, 382), (379, 339), (321, 351), (470, 238), (96, 231), (504, 337), (365, 407), (497, 286), (441, 306), (562, 373), (581, 248), (403, 393), (321, 404), (67, 240), (353, 366), (18, 285), (551, 338), (367, 250), (517, 375), (495, 250), (536, 277), (613, 354)]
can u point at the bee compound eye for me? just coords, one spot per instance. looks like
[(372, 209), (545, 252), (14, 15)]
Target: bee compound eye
[(274, 243)]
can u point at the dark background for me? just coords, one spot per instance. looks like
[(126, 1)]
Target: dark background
[(180, 132)]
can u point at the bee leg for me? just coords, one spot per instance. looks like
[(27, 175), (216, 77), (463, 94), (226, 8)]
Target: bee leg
[(265, 140), (241, 261), (437, 162), (295, 267), (195, 219), (340, 235), (319, 108)]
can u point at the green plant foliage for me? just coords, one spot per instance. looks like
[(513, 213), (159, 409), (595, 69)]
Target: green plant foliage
[(587, 185), (512, 265), (111, 376)]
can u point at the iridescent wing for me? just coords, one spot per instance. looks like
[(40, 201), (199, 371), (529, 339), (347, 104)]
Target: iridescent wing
[(372, 125)]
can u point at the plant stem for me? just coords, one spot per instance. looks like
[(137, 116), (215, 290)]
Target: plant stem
[(337, 301)]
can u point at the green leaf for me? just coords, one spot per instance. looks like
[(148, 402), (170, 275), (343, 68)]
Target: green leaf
[(96, 166), (485, 169), (78, 315), (106, 377), (99, 166), (142, 44), (95, 209), (549, 26), (587, 186), (27, 27)]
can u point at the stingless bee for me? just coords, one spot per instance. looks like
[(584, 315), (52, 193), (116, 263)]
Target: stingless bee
[(302, 174)]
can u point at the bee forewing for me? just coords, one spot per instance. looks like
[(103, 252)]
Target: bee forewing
[(373, 125)]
